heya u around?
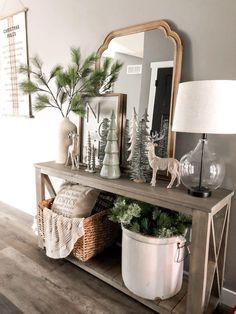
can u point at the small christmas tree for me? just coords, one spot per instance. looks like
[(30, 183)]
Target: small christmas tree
[(126, 143), (103, 131), (110, 168), (140, 170), (88, 157), (92, 161), (161, 149), (133, 134)]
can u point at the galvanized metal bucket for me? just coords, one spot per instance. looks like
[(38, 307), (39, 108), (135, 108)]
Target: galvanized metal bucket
[(152, 267)]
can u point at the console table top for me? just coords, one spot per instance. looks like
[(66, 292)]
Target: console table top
[(175, 198)]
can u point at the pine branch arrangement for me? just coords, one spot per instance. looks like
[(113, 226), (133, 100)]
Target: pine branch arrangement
[(148, 219), (65, 89)]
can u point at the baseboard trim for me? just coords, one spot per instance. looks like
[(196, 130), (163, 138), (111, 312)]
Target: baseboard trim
[(228, 297)]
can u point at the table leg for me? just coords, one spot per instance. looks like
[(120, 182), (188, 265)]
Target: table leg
[(40, 195), (201, 225)]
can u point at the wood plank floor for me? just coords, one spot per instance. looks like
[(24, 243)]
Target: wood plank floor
[(32, 283)]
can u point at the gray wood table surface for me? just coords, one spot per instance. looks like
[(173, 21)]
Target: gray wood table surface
[(210, 222)]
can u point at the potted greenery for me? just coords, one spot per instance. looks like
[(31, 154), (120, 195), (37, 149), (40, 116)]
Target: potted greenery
[(65, 89), (152, 247)]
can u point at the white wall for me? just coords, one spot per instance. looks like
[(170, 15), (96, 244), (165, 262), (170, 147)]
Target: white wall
[(207, 30)]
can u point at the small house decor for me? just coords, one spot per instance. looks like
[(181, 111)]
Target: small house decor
[(153, 245), (111, 168)]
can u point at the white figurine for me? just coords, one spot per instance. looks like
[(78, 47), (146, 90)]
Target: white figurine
[(73, 151), (158, 163)]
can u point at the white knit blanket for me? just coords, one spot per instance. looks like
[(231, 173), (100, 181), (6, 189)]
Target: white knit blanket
[(61, 233)]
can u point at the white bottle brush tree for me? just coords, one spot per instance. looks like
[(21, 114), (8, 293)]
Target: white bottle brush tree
[(65, 89), (111, 168), (89, 153), (140, 170), (133, 134), (126, 152)]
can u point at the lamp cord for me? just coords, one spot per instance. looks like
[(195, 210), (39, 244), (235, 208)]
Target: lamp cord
[(204, 137)]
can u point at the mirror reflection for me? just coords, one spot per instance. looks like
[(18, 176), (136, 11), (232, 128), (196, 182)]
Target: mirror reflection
[(151, 54)]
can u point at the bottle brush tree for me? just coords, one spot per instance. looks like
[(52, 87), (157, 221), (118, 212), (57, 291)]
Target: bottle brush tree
[(111, 168), (140, 170), (65, 88)]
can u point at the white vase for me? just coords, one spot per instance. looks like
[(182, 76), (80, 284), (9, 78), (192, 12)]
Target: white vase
[(64, 128)]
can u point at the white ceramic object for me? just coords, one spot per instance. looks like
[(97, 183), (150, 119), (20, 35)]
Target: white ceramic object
[(110, 172), (152, 267), (110, 168), (65, 127)]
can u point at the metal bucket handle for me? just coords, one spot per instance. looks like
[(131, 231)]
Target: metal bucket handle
[(181, 245)]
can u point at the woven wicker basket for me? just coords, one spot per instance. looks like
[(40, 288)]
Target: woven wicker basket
[(99, 233)]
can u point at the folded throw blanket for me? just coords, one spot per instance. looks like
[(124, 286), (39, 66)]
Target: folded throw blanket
[(61, 233)]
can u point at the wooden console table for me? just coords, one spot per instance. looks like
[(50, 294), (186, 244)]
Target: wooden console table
[(210, 219)]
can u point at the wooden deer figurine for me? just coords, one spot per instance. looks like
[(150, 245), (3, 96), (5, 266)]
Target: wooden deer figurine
[(158, 163), (73, 151)]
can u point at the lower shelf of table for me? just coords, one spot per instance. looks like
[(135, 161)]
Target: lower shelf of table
[(107, 267)]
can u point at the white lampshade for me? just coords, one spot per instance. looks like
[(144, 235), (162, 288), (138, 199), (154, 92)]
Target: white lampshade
[(206, 107)]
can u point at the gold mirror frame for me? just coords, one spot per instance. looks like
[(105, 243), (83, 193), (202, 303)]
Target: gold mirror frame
[(177, 62)]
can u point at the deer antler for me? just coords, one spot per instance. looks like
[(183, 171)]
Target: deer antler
[(155, 136)]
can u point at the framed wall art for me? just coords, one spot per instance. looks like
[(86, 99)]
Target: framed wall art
[(13, 52), (94, 126)]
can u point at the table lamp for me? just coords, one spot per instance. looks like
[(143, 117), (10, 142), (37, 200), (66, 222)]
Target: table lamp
[(204, 107)]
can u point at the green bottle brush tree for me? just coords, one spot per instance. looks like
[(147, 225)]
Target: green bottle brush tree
[(65, 89)]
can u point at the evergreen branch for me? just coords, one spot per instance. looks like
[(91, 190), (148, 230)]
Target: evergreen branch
[(89, 61), (72, 85), (54, 71), (28, 87), (24, 68), (76, 56), (77, 105), (36, 61)]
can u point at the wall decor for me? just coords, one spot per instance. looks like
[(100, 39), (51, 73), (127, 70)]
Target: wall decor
[(97, 110), (158, 48), (13, 52)]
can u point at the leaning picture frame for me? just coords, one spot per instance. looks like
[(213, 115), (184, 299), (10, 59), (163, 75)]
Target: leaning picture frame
[(95, 124)]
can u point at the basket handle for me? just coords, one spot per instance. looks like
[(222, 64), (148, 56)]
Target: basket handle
[(180, 246)]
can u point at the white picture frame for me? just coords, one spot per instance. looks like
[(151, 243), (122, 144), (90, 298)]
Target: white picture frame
[(96, 109)]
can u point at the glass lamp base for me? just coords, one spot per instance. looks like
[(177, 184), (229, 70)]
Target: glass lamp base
[(199, 192)]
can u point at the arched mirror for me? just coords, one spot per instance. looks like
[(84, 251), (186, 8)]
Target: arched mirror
[(152, 55)]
